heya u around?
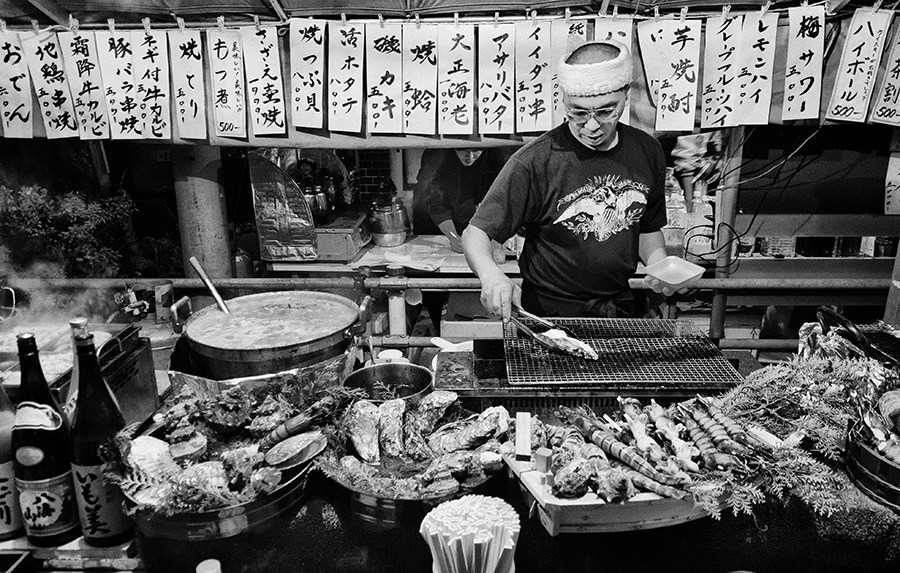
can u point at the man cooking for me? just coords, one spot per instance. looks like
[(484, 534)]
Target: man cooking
[(590, 195)]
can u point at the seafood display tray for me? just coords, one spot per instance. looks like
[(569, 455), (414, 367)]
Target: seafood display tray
[(653, 354), (590, 514)]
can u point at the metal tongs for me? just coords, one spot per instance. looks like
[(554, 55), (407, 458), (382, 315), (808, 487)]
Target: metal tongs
[(545, 341), (546, 323)]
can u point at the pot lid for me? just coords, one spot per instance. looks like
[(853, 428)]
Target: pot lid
[(272, 320)]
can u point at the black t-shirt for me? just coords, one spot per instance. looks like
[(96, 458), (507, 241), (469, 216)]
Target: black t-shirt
[(583, 210)]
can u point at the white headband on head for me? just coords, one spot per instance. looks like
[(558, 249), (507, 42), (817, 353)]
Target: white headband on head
[(598, 78)]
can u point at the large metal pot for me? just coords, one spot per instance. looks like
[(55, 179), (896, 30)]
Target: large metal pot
[(271, 332)]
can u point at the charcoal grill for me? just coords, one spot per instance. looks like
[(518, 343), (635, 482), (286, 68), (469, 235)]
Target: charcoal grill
[(635, 355)]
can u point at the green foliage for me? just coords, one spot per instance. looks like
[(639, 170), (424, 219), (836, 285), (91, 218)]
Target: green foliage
[(63, 233)]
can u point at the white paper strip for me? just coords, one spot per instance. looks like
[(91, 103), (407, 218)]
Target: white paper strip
[(114, 52), (496, 78), (420, 78), (652, 40), (346, 56), (719, 96), (226, 65), (83, 69), (15, 88), (757, 56), (677, 100), (384, 78), (565, 36), (805, 57), (892, 186), (534, 87), (265, 89), (307, 43), (887, 105), (151, 70), (859, 63), (44, 58), (188, 93), (621, 30), (456, 79)]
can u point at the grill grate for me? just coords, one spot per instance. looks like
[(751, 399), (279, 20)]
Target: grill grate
[(639, 352)]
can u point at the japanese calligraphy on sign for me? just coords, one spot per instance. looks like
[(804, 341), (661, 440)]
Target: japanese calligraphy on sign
[(892, 186), (653, 48), (620, 30), (757, 62), (496, 78), (114, 52), (265, 91), (859, 63), (887, 105), (565, 36), (719, 95), (15, 88), (346, 55), (226, 65), (420, 79), (83, 69), (186, 56), (307, 42), (534, 89), (803, 70), (384, 78), (44, 58), (456, 79), (678, 45), (151, 71)]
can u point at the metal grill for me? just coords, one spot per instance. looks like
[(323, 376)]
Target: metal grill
[(634, 353), (884, 341)]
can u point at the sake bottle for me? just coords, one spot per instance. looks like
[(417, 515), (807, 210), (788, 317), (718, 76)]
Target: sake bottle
[(41, 442), (10, 515), (77, 326), (96, 421)]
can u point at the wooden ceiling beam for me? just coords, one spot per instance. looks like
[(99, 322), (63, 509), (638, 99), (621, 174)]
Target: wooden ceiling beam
[(52, 10)]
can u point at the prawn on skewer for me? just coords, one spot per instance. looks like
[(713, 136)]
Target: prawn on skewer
[(733, 428), (717, 433), (712, 458), (685, 451)]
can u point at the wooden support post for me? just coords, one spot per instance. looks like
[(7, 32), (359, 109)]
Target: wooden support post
[(202, 216), (892, 308)]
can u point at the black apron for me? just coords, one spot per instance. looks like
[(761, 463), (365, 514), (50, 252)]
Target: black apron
[(623, 305)]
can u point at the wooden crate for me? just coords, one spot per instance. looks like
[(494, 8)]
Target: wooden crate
[(590, 514)]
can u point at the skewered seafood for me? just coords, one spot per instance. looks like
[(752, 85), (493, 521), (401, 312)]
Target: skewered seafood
[(612, 484), (685, 452)]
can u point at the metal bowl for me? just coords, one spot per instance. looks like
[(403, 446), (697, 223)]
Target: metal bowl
[(389, 239), (408, 381)]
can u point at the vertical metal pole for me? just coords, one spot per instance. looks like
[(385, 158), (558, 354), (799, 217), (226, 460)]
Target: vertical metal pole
[(726, 210), (202, 216), (892, 308)]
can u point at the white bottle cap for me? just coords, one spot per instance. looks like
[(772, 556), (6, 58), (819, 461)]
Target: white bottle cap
[(209, 566)]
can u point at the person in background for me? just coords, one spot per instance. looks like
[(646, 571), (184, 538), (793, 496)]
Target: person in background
[(590, 195)]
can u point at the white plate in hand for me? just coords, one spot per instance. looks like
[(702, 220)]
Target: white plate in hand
[(674, 271)]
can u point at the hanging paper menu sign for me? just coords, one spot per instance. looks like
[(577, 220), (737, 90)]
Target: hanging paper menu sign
[(496, 78), (887, 106), (456, 77), (805, 55), (420, 79), (719, 95), (346, 53), (892, 186), (44, 58), (534, 94), (677, 100), (114, 52), (151, 70), (265, 92), (757, 62), (620, 30), (15, 88), (226, 65), (651, 38), (384, 78), (307, 41), (859, 63), (186, 58), (83, 69), (565, 36)]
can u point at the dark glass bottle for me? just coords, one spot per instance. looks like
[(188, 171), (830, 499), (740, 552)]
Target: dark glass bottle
[(11, 525), (96, 421), (41, 443)]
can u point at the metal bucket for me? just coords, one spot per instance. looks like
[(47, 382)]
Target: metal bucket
[(408, 381), (324, 322)]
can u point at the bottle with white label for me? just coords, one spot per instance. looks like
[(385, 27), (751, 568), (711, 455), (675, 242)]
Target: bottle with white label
[(41, 443), (10, 515), (96, 422)]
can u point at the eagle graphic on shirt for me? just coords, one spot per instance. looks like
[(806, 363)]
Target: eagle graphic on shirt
[(602, 207)]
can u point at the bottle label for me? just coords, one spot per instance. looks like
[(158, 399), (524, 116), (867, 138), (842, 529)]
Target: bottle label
[(10, 514), (34, 416), (48, 506), (99, 504)]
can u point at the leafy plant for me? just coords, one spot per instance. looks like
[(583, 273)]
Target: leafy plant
[(51, 234)]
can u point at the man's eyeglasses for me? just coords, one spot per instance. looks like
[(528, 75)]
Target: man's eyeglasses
[(581, 116)]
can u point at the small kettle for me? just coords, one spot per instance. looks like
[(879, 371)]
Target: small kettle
[(389, 223)]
